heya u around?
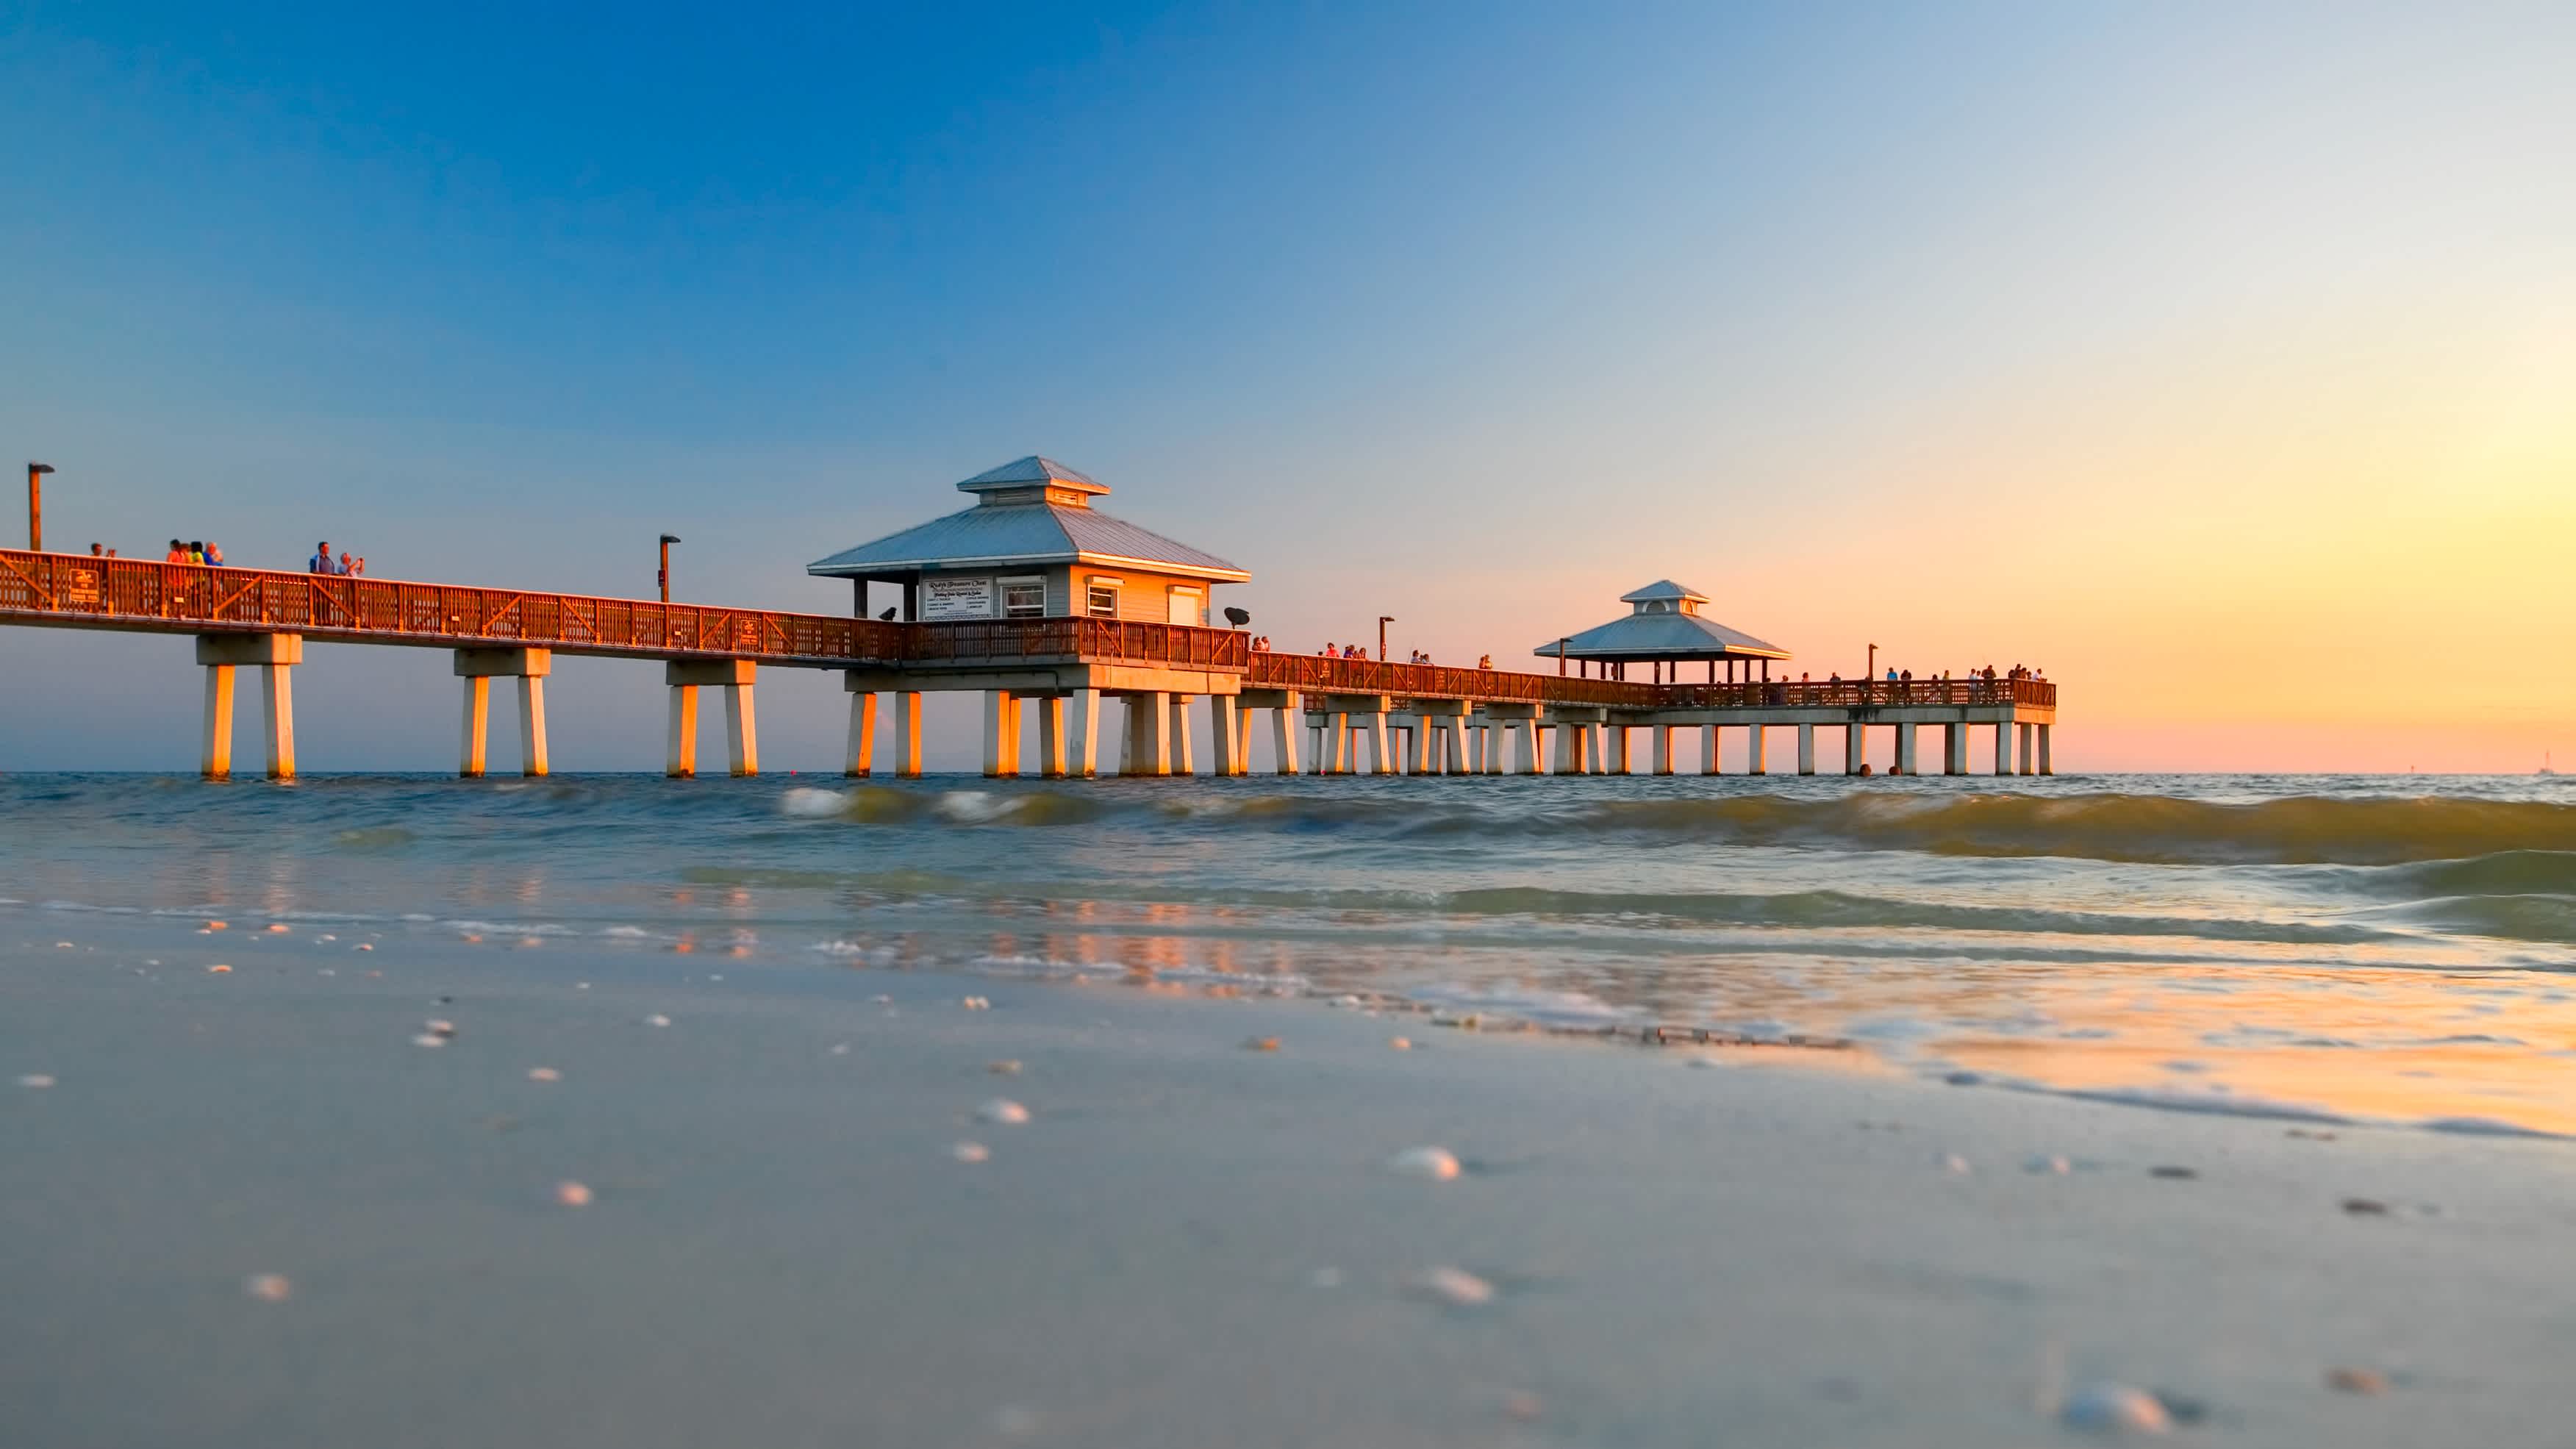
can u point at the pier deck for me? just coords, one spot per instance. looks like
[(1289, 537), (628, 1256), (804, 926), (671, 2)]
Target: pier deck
[(258, 616)]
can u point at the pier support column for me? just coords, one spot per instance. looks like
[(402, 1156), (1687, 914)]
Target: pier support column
[(1753, 758), (219, 722), (1905, 748), (478, 715), (1424, 760), (1855, 747), (2043, 749), (1148, 746), (1001, 734), (742, 723), (907, 734), (683, 733), (1710, 743), (1614, 753), (1081, 720), (861, 752), (1380, 761), (478, 668), (1662, 735), (1954, 749), (1515, 747), (277, 694), (1051, 737), (1456, 761), (1284, 719), (2026, 766), (1183, 745), (1806, 749), (742, 730), (276, 655), (532, 723), (2003, 749), (1225, 738)]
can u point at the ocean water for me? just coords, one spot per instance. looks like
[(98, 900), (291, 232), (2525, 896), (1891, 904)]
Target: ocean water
[(2359, 949)]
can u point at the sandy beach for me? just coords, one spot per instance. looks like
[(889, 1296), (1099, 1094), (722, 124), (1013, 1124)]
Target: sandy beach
[(1194, 1238)]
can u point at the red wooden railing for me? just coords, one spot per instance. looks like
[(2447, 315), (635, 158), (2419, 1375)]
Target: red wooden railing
[(1849, 692), (1325, 674), (118, 593), (115, 593)]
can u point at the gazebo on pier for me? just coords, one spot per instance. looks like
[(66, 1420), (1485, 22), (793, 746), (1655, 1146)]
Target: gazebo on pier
[(1664, 629)]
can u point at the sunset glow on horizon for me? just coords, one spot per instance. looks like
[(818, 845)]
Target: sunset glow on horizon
[(2220, 363)]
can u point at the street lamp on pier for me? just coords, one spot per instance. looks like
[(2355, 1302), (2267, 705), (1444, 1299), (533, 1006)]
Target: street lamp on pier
[(36, 506), (1382, 621), (663, 576)]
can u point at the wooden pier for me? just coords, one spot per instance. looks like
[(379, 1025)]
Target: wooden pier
[(1325, 712)]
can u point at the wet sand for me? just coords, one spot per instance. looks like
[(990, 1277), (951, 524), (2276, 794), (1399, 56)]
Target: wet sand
[(1189, 1242)]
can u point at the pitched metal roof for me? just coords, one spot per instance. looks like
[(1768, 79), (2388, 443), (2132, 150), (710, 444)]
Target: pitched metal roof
[(1662, 636), (1029, 472), (1012, 524), (1663, 589), (1025, 533)]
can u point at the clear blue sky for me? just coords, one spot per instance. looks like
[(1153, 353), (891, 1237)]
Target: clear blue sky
[(1472, 314)]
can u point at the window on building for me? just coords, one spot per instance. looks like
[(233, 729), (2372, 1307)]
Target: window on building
[(1024, 598), (1101, 600), (1189, 606)]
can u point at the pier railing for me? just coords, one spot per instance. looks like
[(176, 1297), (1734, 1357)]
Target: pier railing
[(197, 598), (115, 593), (1846, 693), (1108, 641), (1330, 674), (121, 593)]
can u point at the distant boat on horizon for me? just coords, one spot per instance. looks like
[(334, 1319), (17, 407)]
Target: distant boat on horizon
[(2544, 764)]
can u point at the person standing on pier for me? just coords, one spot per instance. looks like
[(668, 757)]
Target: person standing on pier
[(320, 563)]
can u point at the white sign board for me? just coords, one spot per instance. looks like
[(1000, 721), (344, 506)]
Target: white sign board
[(957, 598)]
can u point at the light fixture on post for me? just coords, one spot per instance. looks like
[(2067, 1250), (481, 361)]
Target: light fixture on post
[(36, 506), (664, 576)]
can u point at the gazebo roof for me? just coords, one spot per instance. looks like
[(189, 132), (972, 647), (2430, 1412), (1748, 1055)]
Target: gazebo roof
[(1664, 623), (1663, 591), (1030, 472), (1022, 516)]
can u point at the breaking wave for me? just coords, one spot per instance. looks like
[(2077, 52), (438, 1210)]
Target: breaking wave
[(2491, 844)]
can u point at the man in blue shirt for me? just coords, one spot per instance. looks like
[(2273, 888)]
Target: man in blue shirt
[(320, 563)]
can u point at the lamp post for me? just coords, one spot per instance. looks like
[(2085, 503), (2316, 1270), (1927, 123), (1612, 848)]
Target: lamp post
[(36, 506), (1382, 621), (1869, 677), (663, 575)]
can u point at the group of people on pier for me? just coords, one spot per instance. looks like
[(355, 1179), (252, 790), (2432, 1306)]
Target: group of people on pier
[(203, 553), (321, 562)]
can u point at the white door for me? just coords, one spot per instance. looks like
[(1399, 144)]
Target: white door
[(1189, 606)]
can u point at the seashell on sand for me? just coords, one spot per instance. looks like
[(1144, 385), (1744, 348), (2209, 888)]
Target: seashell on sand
[(1436, 1163), (1455, 1287), (2109, 1408)]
